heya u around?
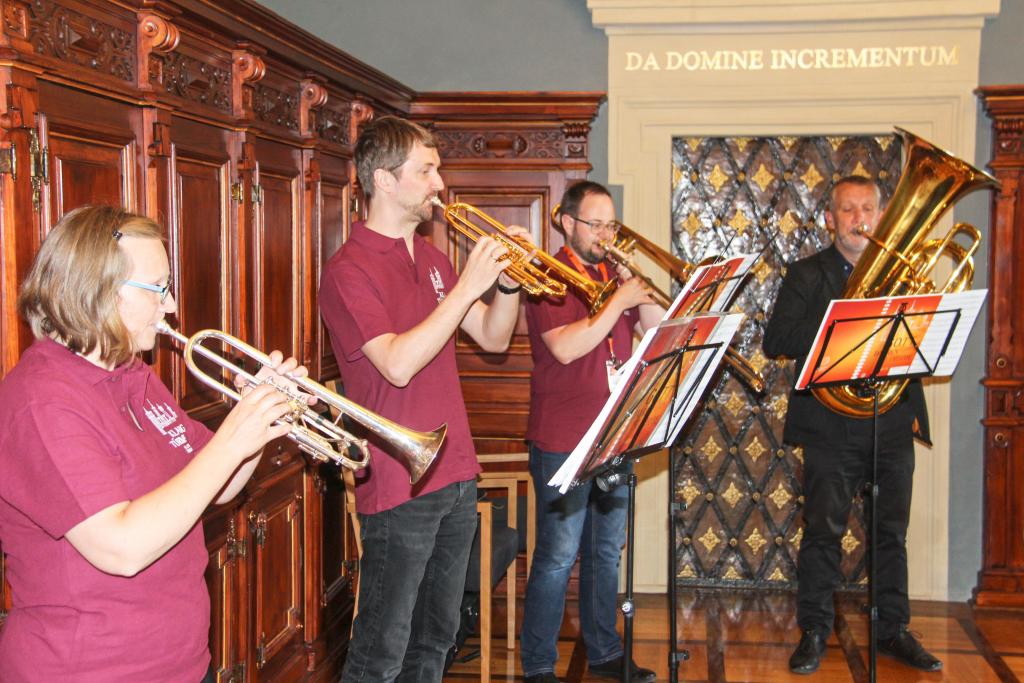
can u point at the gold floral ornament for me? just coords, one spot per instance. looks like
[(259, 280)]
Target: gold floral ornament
[(711, 449), (692, 224), (739, 222), (788, 141), (717, 178), (849, 542), (780, 496), (836, 142), (762, 271), (735, 404), (758, 360), (732, 575), (677, 176), (780, 405), (763, 178), (755, 540), (861, 171), (798, 453), (884, 141), (811, 177), (687, 572), (693, 143), (755, 449), (732, 495), (796, 538), (789, 222), (777, 575), (741, 143), (709, 540), (689, 493)]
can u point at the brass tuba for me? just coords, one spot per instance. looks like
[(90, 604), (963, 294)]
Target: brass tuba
[(540, 275), (899, 258), (619, 251), (316, 435)]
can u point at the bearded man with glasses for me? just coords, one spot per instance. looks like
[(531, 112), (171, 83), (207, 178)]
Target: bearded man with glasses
[(575, 356)]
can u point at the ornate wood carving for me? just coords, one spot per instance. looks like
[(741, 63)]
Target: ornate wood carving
[(157, 36), (276, 107), (65, 34), (195, 80), (314, 96), (247, 69), (1001, 579)]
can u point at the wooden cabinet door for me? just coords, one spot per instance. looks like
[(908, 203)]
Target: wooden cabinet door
[(195, 173), (88, 159), (330, 192), (222, 580), (276, 523), (279, 248)]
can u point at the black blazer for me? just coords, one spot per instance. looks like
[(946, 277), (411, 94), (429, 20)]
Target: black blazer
[(808, 287)]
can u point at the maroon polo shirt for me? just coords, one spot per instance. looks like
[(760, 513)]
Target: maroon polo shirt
[(74, 440), (566, 398), (373, 287)]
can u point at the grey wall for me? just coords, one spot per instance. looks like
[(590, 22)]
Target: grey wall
[(551, 45), (1002, 62), (469, 45)]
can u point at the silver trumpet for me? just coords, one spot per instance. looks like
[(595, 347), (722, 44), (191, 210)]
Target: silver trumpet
[(316, 435)]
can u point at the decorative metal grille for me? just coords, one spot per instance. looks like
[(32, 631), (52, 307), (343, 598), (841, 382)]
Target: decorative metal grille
[(737, 486)]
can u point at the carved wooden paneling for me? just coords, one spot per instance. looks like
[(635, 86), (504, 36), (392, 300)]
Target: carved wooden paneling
[(226, 551), (330, 197), (511, 156), (278, 246), (199, 224), (1001, 579), (275, 536)]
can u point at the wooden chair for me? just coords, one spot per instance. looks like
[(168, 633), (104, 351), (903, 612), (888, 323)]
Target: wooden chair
[(509, 482)]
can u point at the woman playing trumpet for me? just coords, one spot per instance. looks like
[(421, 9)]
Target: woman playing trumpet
[(103, 477)]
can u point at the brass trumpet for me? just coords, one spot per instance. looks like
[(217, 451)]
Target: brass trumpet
[(315, 435), (540, 275), (619, 251)]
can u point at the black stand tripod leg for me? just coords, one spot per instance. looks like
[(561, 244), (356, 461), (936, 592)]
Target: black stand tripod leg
[(873, 548), (675, 655), (628, 608)]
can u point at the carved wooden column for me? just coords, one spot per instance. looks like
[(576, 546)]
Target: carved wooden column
[(1001, 579)]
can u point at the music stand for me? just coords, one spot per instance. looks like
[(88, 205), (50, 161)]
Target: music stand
[(646, 413), (932, 322)]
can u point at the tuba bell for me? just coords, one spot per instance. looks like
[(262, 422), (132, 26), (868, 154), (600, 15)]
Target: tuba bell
[(899, 257)]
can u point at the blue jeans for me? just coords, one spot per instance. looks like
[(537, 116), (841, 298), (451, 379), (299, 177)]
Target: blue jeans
[(584, 521), (412, 574)]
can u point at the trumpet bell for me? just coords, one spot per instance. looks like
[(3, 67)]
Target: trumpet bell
[(321, 438)]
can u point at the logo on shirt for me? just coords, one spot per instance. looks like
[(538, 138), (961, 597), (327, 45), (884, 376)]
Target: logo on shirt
[(435, 279), (162, 418)]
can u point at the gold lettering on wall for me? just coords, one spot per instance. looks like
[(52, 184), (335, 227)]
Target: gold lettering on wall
[(898, 57)]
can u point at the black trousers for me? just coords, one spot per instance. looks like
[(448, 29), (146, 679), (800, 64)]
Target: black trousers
[(832, 474)]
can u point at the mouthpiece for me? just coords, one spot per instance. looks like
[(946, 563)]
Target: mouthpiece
[(436, 201)]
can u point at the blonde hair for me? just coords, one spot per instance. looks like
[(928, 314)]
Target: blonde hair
[(71, 291)]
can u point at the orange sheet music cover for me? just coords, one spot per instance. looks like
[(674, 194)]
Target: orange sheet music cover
[(715, 283), (859, 329)]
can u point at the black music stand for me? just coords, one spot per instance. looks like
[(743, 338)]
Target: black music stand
[(651, 396), (886, 328)]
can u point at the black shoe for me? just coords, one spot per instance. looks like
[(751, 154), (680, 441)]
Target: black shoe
[(546, 677), (807, 655), (613, 669), (905, 648)]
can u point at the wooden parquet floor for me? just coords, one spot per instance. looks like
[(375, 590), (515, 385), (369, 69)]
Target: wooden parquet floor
[(743, 637)]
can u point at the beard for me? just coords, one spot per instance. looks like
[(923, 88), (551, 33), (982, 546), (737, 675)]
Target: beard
[(592, 256), (422, 210)]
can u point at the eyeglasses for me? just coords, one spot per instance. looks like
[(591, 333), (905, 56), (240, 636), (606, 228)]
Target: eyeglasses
[(609, 228), (162, 290)]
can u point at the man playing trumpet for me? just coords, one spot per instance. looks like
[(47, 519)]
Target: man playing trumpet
[(392, 303), (574, 357)]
